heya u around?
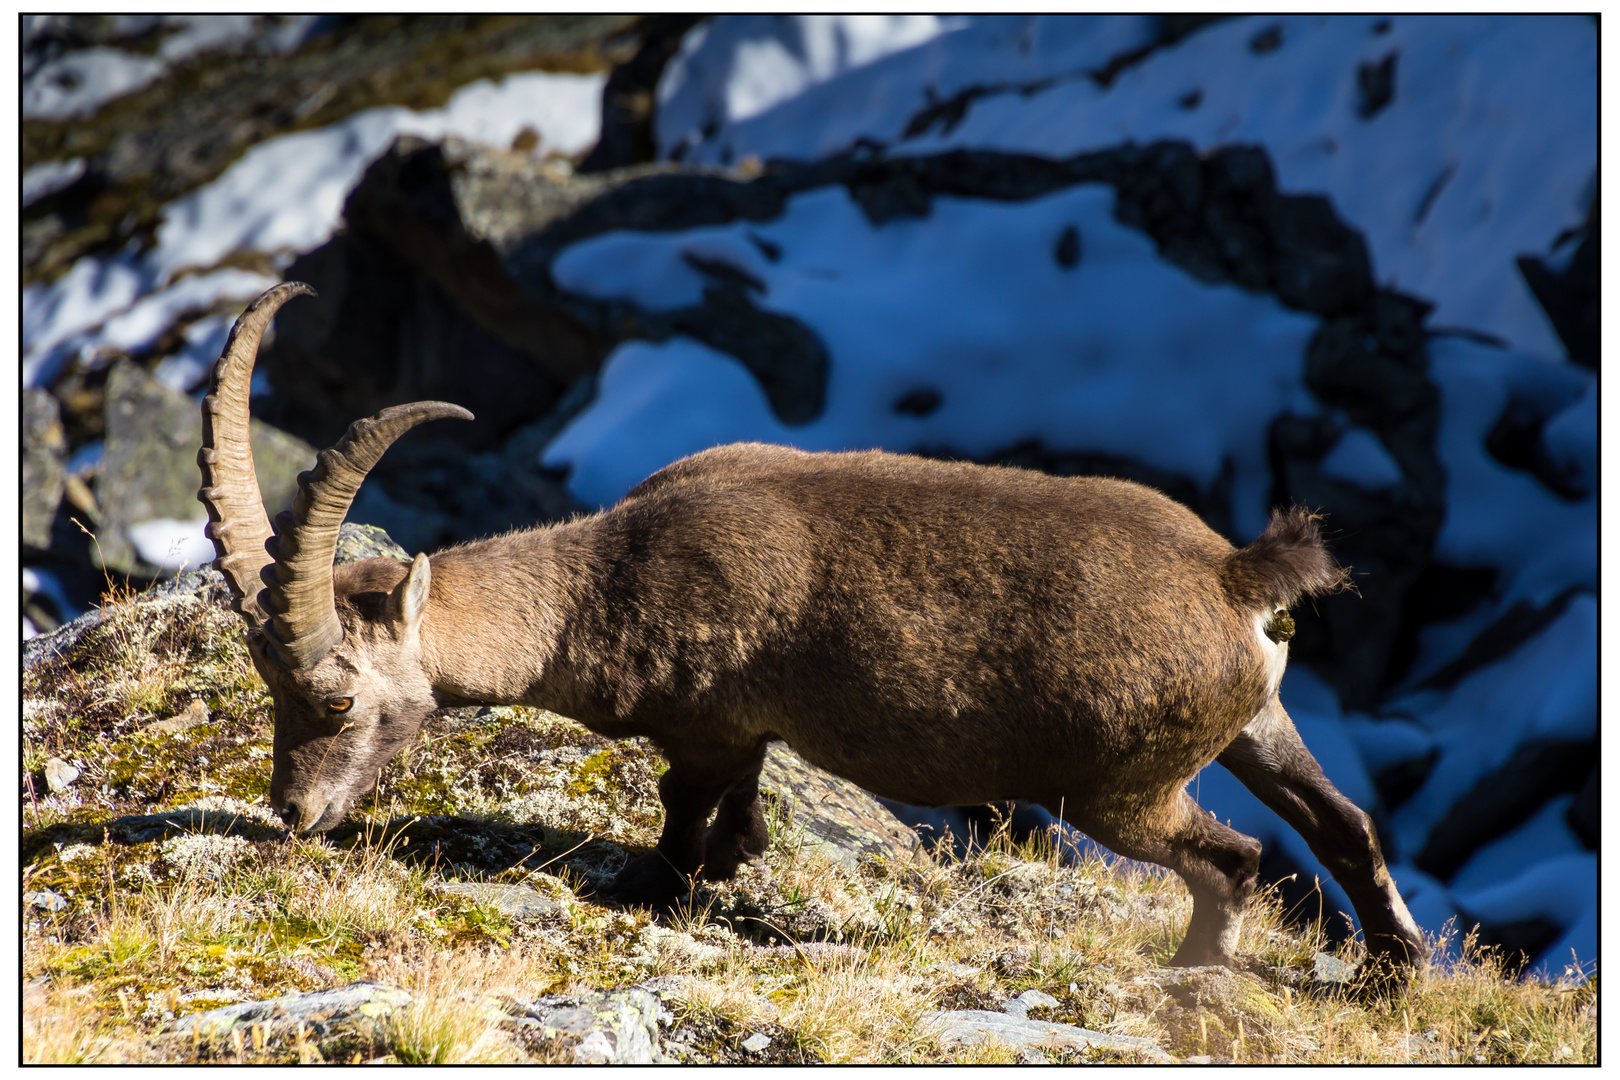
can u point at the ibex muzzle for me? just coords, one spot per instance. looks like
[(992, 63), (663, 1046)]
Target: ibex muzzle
[(938, 633)]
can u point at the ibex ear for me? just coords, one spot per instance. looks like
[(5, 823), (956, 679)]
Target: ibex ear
[(409, 598)]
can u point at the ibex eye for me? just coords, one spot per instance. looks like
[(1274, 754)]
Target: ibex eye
[(340, 704)]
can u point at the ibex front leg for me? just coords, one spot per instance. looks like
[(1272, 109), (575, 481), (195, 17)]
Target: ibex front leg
[(699, 779), (1271, 760), (738, 834)]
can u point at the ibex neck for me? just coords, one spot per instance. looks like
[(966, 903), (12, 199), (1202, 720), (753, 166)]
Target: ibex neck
[(495, 614)]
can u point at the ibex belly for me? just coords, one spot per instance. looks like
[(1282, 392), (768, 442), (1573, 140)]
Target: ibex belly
[(1032, 741)]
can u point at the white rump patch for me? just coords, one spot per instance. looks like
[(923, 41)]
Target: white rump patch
[(1275, 652)]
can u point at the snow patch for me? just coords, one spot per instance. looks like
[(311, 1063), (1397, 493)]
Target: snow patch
[(1455, 175), (80, 311), (1545, 690), (1502, 517), (171, 544), (1562, 890), (1458, 174), (202, 33), (729, 70), (1571, 438), (1360, 458), (140, 325), (187, 369), (712, 111), (84, 297), (1384, 744), (80, 82), (1546, 835), (47, 584), (49, 178)]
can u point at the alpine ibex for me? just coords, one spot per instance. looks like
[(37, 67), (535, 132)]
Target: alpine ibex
[(938, 633)]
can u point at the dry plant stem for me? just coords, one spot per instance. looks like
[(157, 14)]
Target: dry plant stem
[(570, 851)]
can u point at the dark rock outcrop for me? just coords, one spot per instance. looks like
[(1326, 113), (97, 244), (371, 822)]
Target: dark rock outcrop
[(1570, 298), (1503, 798), (628, 101), (1583, 814)]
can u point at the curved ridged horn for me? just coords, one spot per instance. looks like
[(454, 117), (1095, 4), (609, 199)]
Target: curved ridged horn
[(303, 615), (230, 489)]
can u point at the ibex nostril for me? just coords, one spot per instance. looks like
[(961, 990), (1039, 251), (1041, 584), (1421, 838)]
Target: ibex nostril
[(290, 814)]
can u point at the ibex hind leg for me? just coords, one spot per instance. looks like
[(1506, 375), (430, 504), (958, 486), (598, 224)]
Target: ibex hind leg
[(1219, 864), (1271, 760), (699, 779)]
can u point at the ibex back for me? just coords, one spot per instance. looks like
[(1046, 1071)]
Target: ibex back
[(937, 633)]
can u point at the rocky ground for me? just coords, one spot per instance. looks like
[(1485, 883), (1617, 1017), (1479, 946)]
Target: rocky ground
[(168, 917)]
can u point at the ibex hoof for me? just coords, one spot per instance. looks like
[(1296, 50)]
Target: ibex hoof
[(722, 861), (1203, 957), (1393, 962), (648, 881)]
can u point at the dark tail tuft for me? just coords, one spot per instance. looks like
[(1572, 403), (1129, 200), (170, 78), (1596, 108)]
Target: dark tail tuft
[(1288, 561)]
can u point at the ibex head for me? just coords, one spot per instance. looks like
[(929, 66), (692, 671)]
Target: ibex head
[(341, 652)]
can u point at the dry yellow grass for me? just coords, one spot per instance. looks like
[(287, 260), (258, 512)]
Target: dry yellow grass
[(61, 1025)]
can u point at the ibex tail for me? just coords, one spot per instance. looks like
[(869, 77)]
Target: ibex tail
[(1289, 560)]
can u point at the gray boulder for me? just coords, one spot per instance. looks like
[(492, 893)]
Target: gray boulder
[(517, 901), (619, 1027), (355, 542), (321, 1011), (973, 1027), (841, 820), (43, 446)]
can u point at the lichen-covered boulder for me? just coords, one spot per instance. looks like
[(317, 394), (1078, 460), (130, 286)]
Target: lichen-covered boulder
[(839, 819), (619, 1027)]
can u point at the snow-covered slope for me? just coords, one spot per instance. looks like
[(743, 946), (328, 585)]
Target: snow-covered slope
[(1481, 112), (802, 87)]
